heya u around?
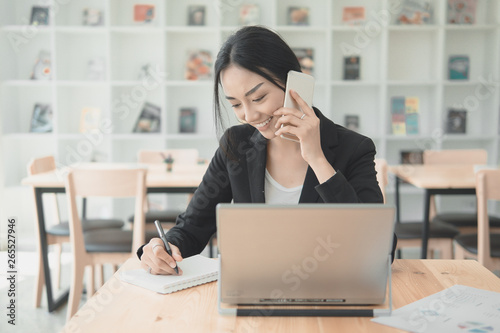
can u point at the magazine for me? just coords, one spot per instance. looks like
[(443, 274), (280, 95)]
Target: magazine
[(149, 119), (462, 11), (353, 15), (199, 65), (298, 16), (415, 12), (196, 15), (187, 120), (41, 120), (306, 59), (249, 14), (43, 67)]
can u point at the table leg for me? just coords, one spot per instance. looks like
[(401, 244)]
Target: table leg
[(52, 304), (425, 226), (398, 217)]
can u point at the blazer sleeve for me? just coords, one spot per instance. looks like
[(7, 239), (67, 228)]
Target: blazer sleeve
[(357, 181), (197, 224)]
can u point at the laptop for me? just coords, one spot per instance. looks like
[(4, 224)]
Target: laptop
[(307, 254)]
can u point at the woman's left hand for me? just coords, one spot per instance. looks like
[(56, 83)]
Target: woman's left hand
[(304, 125)]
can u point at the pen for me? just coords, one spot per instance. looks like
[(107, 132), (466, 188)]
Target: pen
[(164, 239)]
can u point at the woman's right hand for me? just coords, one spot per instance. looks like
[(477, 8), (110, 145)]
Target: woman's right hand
[(155, 256)]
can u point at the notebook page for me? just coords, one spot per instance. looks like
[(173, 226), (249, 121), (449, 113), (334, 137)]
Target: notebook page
[(196, 270)]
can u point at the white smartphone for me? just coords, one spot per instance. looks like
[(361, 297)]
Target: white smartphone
[(303, 84)]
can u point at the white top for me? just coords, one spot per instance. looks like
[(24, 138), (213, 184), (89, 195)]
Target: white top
[(276, 193)]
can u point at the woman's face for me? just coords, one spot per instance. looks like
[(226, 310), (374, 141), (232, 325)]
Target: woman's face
[(253, 98)]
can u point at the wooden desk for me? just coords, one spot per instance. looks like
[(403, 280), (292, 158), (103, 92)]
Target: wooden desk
[(434, 179), (121, 307), (182, 179)]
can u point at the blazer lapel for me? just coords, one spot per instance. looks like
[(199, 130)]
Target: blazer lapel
[(256, 157), (329, 141)]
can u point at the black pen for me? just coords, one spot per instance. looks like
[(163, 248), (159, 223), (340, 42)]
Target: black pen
[(164, 239)]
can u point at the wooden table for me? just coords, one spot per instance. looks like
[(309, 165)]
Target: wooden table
[(121, 307), (182, 179), (434, 179)]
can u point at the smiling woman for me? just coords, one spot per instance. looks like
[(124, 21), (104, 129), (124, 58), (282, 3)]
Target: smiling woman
[(329, 164)]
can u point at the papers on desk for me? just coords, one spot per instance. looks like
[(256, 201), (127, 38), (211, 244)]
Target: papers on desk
[(456, 309), (196, 270)]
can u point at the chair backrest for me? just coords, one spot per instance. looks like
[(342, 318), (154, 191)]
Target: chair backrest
[(487, 188), (118, 183), (41, 164), (181, 156), (456, 156), (381, 168)]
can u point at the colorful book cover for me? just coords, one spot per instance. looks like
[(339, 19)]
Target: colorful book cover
[(398, 115), (353, 15), (196, 15), (187, 120), (43, 66), (149, 119), (351, 68), (411, 110), (90, 119), (456, 121), (306, 59), (415, 12), (249, 14), (298, 16), (458, 67), (198, 65), (144, 13), (462, 11)]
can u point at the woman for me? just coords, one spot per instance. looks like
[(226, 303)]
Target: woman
[(254, 164)]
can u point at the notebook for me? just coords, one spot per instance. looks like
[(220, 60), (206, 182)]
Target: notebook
[(196, 270)]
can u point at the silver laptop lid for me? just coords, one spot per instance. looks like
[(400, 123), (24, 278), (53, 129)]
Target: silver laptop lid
[(304, 254)]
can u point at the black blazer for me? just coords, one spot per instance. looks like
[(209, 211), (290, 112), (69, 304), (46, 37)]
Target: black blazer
[(241, 179)]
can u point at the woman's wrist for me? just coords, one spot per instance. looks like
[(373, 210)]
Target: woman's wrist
[(322, 169)]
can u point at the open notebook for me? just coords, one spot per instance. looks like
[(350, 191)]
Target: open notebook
[(196, 270)]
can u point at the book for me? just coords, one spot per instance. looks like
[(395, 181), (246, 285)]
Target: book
[(351, 122), (96, 69), (42, 70), (306, 59), (456, 121), (249, 14), (198, 65), (461, 11), (458, 67), (411, 115), (92, 17), (298, 16), (187, 120), (353, 15), (144, 13), (411, 157), (351, 68), (398, 116), (89, 119), (41, 120), (415, 12), (149, 119), (196, 270), (39, 15), (196, 15)]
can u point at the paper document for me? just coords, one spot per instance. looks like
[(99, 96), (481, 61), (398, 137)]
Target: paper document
[(456, 309), (196, 270)]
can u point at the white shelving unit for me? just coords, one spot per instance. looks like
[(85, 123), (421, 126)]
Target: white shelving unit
[(395, 60)]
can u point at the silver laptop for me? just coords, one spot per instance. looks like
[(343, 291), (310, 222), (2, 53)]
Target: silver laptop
[(304, 254)]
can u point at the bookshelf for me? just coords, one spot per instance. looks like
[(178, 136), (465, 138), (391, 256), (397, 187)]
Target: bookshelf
[(395, 60)]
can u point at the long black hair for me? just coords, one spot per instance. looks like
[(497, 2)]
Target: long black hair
[(259, 50)]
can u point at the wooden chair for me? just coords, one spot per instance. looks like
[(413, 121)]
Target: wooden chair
[(465, 222), (410, 233), (484, 245), (98, 247), (58, 231)]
